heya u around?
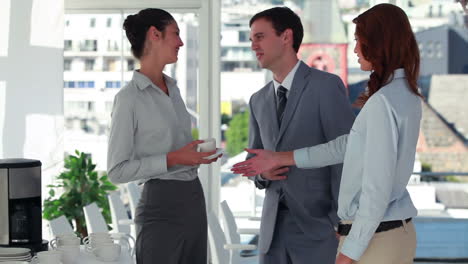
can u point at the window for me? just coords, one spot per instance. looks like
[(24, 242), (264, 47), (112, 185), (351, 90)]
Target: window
[(79, 108), (67, 64), (92, 22), (112, 45), (91, 106), (113, 84), (110, 65), (68, 84), (88, 45), (89, 64), (79, 84), (109, 22), (67, 45)]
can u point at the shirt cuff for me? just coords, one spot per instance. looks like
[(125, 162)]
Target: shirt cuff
[(301, 157), (353, 249), (260, 178), (155, 164)]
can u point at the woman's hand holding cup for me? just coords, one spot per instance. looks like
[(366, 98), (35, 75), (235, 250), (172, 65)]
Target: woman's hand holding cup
[(189, 156)]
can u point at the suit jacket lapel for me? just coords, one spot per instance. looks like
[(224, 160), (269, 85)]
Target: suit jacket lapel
[(299, 83)]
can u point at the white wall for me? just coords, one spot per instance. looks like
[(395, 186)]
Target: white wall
[(31, 82)]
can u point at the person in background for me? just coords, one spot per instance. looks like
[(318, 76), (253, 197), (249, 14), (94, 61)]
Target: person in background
[(378, 153), (301, 106), (150, 142)]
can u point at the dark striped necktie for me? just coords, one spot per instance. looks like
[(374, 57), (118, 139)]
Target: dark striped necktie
[(282, 100)]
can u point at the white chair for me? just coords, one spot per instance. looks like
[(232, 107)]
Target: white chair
[(60, 225), (95, 221), (219, 248), (121, 222), (230, 224), (231, 231), (134, 194)]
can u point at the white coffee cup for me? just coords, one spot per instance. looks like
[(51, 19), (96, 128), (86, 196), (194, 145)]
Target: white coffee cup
[(95, 244), (65, 240), (49, 257), (208, 145), (97, 238), (124, 241), (107, 252), (69, 254)]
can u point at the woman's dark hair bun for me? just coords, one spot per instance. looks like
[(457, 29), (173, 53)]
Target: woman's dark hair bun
[(137, 25)]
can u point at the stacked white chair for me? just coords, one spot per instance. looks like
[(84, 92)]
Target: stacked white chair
[(60, 225), (95, 222)]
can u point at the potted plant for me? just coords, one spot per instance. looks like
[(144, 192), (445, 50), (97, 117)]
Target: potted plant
[(81, 185)]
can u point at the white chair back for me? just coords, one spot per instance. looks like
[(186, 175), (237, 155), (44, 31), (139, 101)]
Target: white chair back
[(216, 241), (229, 224), (60, 225), (118, 212), (134, 194), (94, 220)]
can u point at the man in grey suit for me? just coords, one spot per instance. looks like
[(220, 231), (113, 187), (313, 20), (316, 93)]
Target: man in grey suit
[(301, 107)]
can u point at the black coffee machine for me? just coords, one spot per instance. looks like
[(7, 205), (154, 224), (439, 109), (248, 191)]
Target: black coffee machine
[(20, 204)]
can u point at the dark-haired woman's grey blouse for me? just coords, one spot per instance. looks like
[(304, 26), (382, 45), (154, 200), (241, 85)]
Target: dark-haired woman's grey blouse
[(146, 125)]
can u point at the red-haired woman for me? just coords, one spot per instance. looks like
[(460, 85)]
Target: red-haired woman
[(379, 152)]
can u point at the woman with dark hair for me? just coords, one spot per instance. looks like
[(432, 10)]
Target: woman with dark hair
[(378, 153), (151, 142)]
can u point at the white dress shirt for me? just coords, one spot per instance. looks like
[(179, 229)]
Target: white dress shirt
[(287, 82)]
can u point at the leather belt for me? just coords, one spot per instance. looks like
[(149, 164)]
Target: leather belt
[(343, 229)]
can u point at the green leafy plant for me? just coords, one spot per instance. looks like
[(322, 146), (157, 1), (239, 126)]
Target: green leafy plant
[(81, 185), (237, 135)]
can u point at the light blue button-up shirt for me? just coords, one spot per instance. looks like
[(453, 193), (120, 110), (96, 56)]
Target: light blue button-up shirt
[(378, 156), (146, 125)]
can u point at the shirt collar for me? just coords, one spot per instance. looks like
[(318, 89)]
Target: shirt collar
[(399, 73), (287, 82), (142, 81)]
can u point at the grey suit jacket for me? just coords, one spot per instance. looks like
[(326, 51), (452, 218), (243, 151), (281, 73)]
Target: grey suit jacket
[(317, 111)]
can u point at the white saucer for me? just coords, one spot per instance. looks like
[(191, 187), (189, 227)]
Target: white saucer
[(219, 151), (14, 252), (15, 258)]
